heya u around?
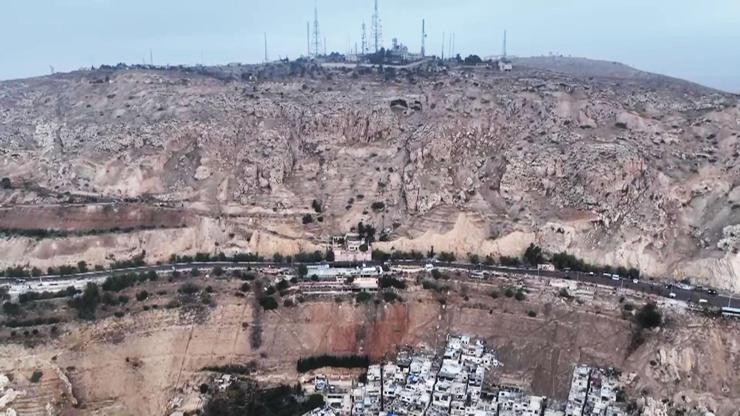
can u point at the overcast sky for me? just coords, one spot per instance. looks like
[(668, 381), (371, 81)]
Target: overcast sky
[(698, 40)]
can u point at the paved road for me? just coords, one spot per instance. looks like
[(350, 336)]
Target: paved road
[(654, 288)]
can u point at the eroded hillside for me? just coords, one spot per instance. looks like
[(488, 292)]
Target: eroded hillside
[(636, 171), (147, 356)]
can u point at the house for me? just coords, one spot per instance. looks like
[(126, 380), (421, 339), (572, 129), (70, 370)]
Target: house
[(350, 248)]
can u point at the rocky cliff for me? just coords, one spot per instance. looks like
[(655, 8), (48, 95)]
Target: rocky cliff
[(618, 169)]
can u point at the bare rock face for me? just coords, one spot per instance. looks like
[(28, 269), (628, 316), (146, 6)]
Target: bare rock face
[(632, 170)]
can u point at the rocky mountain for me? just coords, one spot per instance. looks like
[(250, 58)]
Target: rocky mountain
[(618, 168)]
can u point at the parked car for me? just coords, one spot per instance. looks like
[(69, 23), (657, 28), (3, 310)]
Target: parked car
[(635, 281), (615, 277), (671, 295), (712, 292)]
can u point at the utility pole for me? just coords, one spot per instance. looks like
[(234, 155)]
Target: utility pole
[(266, 59), (308, 39), (324, 45), (316, 37), (423, 37), (376, 28), (151, 58), (452, 53)]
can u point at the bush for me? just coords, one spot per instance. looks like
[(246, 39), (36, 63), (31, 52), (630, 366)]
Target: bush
[(387, 281), (188, 289), (218, 271), (268, 303), (307, 219), (36, 376), (508, 261), (649, 316), (436, 274), (316, 205), (142, 295), (563, 293), (508, 292), (5, 183), (519, 295), (533, 255), (245, 287), (446, 256), (494, 294), (349, 361), (390, 296), (119, 282), (88, 302), (363, 297), (10, 308), (194, 272), (377, 206), (531, 314)]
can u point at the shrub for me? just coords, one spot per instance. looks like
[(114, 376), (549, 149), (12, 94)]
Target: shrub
[(563, 293), (446, 256), (649, 316), (349, 361), (391, 296), (508, 261), (245, 287), (494, 294), (436, 274), (88, 302), (508, 292), (519, 295), (10, 308), (36, 376), (307, 219), (388, 281), (377, 206), (531, 314), (142, 295), (363, 297), (316, 205), (5, 183), (268, 303), (533, 255), (194, 272), (189, 289)]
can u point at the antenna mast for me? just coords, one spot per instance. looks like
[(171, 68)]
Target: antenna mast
[(308, 39), (377, 29), (423, 37), (266, 60), (316, 41), (504, 49), (363, 51), (443, 46)]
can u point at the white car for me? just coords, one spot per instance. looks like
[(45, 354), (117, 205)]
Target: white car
[(671, 295), (635, 281), (615, 277)]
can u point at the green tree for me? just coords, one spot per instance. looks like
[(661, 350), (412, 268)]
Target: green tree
[(5, 183), (302, 270), (533, 255)]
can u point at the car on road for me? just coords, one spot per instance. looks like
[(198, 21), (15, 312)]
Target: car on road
[(703, 301), (712, 292), (590, 273), (671, 295), (635, 281), (615, 277)]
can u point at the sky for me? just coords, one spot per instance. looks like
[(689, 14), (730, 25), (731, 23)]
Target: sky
[(698, 40)]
